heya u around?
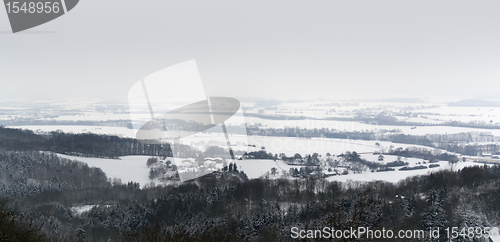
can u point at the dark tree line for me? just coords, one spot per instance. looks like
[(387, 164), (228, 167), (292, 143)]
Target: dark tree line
[(428, 155), (88, 144)]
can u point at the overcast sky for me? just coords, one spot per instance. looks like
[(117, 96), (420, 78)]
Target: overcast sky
[(260, 48)]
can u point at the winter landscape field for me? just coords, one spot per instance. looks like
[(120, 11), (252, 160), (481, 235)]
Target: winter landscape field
[(251, 121), (292, 119)]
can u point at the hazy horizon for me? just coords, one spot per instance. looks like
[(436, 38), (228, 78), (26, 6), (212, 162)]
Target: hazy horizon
[(363, 49)]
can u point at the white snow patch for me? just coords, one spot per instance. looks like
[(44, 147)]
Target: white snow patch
[(126, 168), (81, 209)]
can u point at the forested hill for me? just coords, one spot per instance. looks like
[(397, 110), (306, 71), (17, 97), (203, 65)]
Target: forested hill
[(92, 145), (27, 173)]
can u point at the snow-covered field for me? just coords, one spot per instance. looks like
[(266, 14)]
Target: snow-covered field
[(292, 145), (433, 111), (258, 168), (391, 158), (351, 126), (309, 124), (287, 145), (423, 130), (77, 129), (127, 168), (134, 168), (396, 176), (420, 120)]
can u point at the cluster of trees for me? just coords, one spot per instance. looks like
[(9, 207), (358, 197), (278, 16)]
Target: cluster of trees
[(159, 169), (396, 163), (231, 168), (471, 149), (430, 155), (469, 137), (410, 139), (306, 172), (420, 167), (297, 159), (261, 154)]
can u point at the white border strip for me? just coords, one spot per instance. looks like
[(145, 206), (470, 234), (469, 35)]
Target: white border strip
[(64, 6)]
